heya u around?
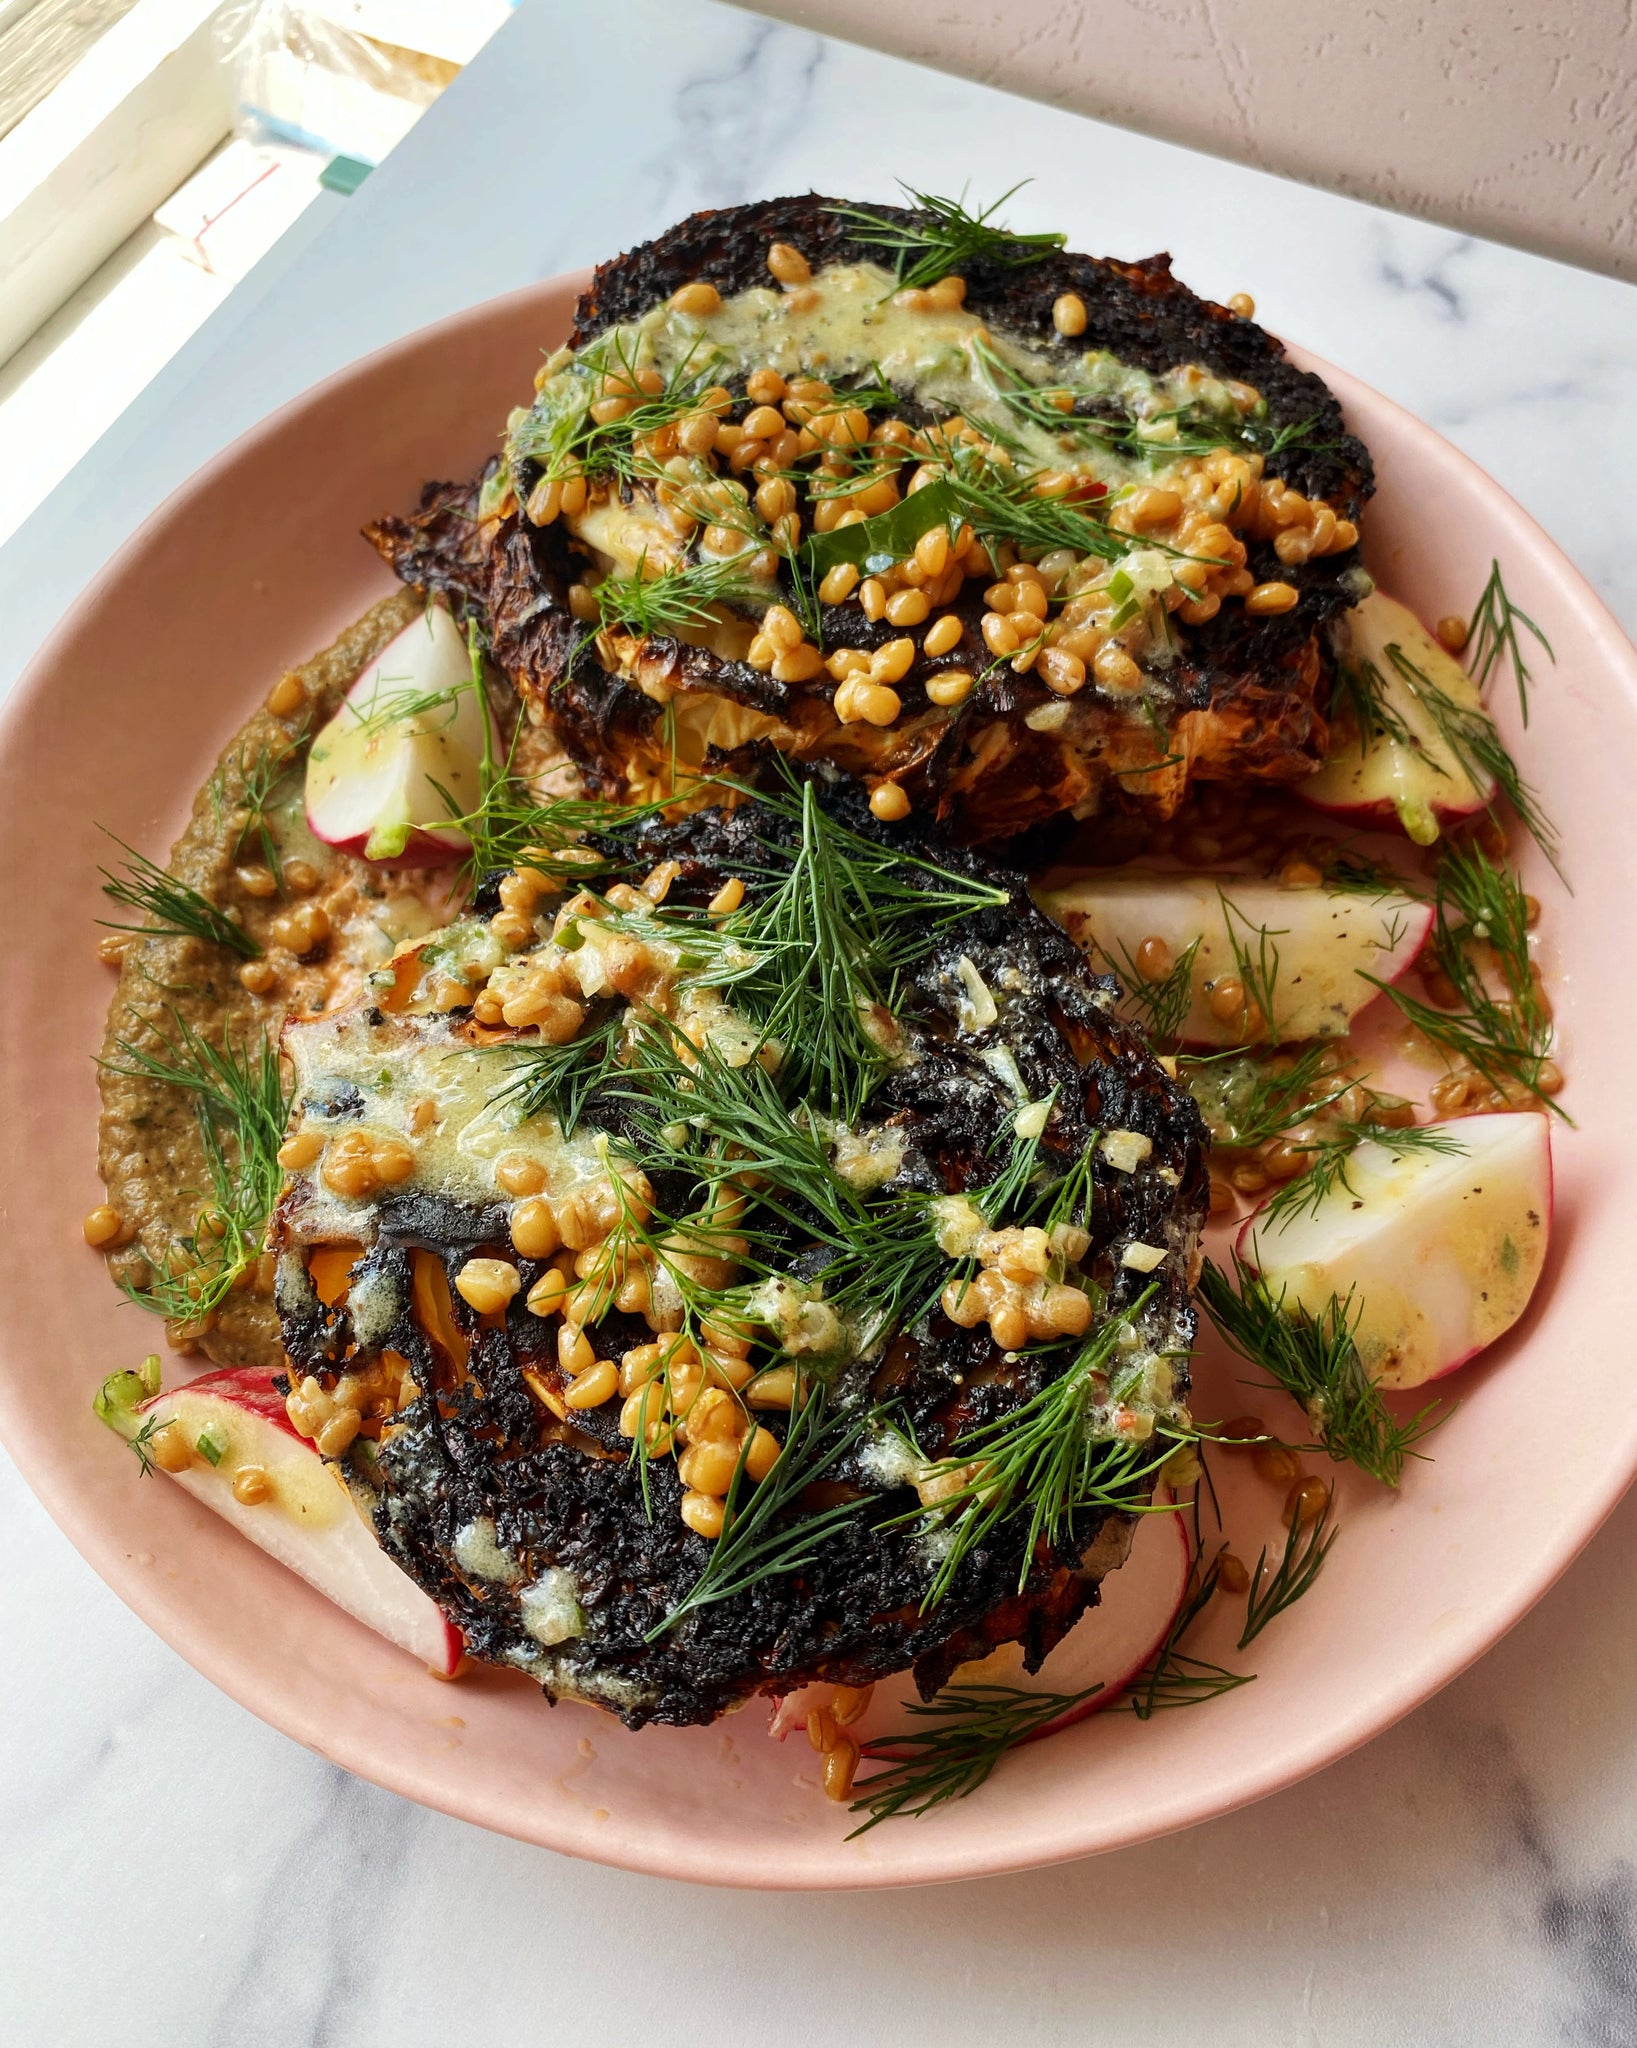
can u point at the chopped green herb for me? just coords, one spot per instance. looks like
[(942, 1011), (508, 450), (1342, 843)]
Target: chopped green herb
[(1331, 1152), (1045, 1458)]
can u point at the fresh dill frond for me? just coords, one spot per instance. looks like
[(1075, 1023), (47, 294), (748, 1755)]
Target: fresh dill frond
[(1507, 1039), (1307, 1545), (944, 237), (262, 775), (1043, 1458), (1475, 744), (559, 433), (1357, 875), (510, 826), (759, 1541), (1315, 1360), (1173, 1677), (1159, 1002), (969, 1728), (242, 1106), (679, 598), (1331, 1153), (396, 707), (172, 909), (1002, 507), (1493, 638), (1361, 690), (1256, 959), (1072, 414), (1246, 1099), (558, 1078), (836, 920), (142, 1444)]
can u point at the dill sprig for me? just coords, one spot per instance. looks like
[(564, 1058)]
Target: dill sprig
[(1159, 1002), (1493, 638), (172, 909), (261, 775), (1331, 1153), (559, 433), (727, 1127), (1307, 1545), (943, 237), (1467, 732), (820, 948), (679, 598), (509, 826), (1044, 1457), (1358, 875), (1256, 958), (1247, 1100), (758, 1540), (242, 1106), (1315, 1359), (559, 1078), (142, 1444), (1001, 505), (1174, 1677), (396, 707), (1507, 1039), (971, 1727), (1474, 741)]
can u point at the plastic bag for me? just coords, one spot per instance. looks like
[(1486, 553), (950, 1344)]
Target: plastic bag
[(299, 77)]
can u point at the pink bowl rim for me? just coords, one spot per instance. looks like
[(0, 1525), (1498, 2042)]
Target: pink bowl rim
[(199, 1640)]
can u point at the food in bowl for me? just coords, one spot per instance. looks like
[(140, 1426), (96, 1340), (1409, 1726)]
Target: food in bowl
[(691, 1051)]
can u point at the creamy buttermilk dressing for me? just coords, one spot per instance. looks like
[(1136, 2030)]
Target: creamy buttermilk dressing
[(851, 329)]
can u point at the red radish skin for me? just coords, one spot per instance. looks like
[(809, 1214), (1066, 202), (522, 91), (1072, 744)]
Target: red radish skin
[(375, 784), (1327, 941), (310, 1524), (1444, 1253), (1418, 787), (1109, 1645)]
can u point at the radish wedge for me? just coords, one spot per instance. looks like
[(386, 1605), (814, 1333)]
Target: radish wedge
[(412, 728), (1406, 769), (1106, 1648), (235, 1419), (1439, 1251), (1326, 941)]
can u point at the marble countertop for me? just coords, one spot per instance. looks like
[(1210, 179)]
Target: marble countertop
[(1468, 1877)]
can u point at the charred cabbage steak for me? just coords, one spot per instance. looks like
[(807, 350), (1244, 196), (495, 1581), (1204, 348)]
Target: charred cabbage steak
[(764, 1258), (1003, 531)]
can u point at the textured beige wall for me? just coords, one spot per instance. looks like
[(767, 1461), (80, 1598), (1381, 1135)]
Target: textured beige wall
[(1517, 121)]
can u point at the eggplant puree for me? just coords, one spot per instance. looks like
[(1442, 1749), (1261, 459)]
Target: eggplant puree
[(149, 1151)]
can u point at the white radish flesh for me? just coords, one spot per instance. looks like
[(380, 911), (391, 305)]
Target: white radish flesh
[(412, 728), (1326, 942), (1440, 1252), (1405, 771), (308, 1522)]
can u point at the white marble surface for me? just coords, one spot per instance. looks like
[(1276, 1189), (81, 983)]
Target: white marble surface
[(1468, 1878)]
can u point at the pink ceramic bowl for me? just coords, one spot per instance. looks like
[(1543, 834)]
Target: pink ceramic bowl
[(254, 565)]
